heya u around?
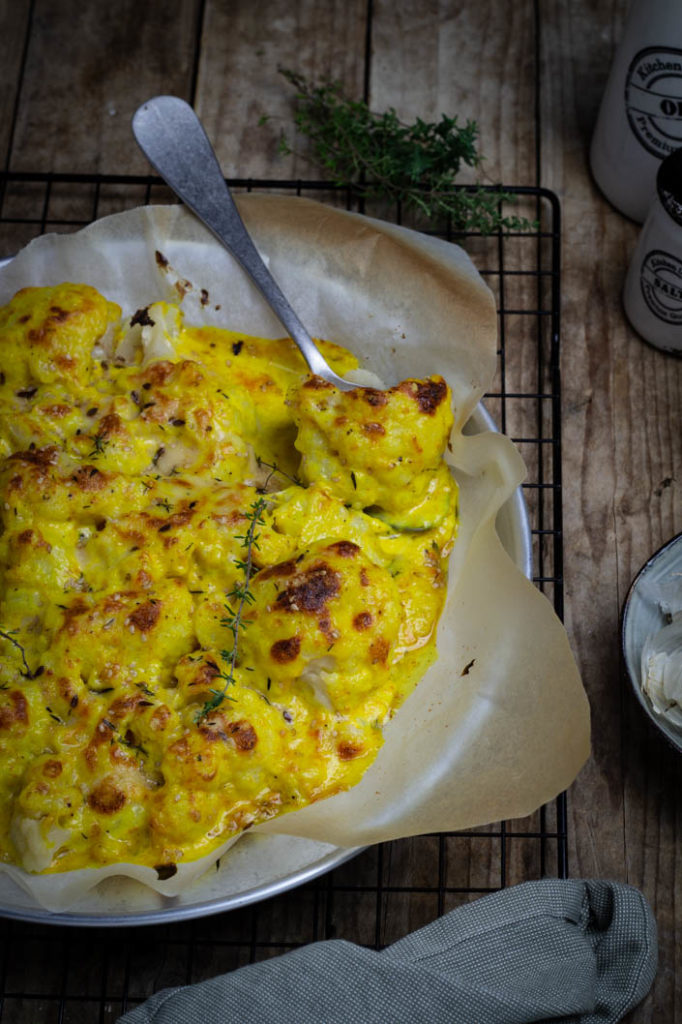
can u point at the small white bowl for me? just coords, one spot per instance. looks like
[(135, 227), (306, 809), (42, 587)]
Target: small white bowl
[(642, 617)]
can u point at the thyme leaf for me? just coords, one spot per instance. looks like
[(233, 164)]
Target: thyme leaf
[(99, 446), (274, 468), (381, 157), (233, 619)]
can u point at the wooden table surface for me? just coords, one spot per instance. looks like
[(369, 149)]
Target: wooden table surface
[(531, 74)]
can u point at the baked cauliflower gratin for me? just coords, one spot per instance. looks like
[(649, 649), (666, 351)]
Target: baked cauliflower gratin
[(219, 578)]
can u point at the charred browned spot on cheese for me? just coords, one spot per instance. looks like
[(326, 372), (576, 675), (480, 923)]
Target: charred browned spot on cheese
[(106, 798), (24, 319), (344, 548), (232, 518), (373, 430), (42, 457), (114, 602), (347, 750), (58, 315), (110, 424), (310, 590), (281, 569), (135, 537), (52, 769), (158, 373), (123, 706), (102, 733), (340, 421), (316, 383), (237, 347), (177, 519), (428, 394), (364, 577), (38, 335), (164, 871), (72, 613), (161, 410), (378, 650), (89, 478), (181, 750), (188, 373), (142, 317), (205, 674), (213, 727), (243, 734), (146, 616), (283, 651), (34, 539), (362, 621), (158, 720), (56, 411), (118, 756), (202, 419), (325, 625), (67, 691), (372, 396), (63, 361), (14, 713)]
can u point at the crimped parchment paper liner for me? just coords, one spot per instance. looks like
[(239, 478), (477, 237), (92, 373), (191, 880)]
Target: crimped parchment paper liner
[(466, 748)]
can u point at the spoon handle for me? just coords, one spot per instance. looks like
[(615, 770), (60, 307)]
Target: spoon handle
[(172, 138)]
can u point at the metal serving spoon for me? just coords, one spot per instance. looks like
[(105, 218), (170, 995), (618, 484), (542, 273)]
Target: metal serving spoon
[(172, 138)]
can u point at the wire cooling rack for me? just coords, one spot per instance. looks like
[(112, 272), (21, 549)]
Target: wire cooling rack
[(72, 975)]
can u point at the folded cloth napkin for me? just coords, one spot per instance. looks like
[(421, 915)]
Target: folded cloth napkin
[(578, 951)]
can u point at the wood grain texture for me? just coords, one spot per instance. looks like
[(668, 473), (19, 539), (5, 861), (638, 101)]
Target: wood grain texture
[(475, 60), (239, 83), (89, 66), (622, 450), (14, 25)]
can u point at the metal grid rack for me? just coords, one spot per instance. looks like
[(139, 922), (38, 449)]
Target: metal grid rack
[(72, 975)]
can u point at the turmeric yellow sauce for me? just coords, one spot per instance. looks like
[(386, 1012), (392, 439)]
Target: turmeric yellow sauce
[(219, 577)]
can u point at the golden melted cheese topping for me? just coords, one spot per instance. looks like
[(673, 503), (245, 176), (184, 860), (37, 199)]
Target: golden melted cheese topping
[(219, 577)]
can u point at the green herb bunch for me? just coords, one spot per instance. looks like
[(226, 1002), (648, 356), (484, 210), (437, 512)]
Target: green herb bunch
[(383, 158), (238, 599)]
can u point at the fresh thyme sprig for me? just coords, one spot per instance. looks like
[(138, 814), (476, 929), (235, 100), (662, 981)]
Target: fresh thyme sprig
[(242, 595), (381, 157), (274, 469)]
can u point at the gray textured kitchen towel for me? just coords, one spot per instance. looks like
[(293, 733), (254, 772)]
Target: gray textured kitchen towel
[(582, 952)]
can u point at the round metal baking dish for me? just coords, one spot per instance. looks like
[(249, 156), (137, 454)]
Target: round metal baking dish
[(257, 867)]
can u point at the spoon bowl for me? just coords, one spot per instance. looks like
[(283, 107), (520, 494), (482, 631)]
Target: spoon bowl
[(173, 139)]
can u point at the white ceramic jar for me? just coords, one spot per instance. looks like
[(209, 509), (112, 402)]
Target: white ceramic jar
[(640, 118), (652, 296)]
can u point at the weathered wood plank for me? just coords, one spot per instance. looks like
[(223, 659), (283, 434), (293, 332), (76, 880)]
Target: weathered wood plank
[(88, 68), (14, 24), (238, 81), (622, 492)]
